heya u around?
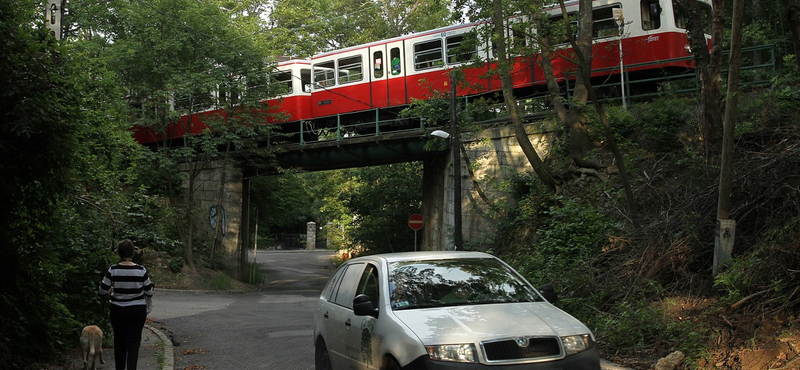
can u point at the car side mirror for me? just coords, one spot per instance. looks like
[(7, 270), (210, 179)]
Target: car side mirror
[(362, 306), (549, 293)]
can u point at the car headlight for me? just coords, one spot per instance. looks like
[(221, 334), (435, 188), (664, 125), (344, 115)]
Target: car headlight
[(576, 343), (453, 352)]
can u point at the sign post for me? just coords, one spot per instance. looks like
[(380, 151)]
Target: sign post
[(415, 222)]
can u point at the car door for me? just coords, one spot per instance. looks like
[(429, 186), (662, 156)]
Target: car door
[(360, 332), (338, 321)]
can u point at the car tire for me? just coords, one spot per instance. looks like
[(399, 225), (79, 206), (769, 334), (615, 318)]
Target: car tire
[(392, 365), (322, 360)]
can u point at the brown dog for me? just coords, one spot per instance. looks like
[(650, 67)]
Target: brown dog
[(92, 344)]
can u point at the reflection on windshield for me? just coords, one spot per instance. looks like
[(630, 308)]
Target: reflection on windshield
[(421, 284)]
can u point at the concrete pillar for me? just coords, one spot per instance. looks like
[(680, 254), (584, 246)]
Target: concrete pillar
[(311, 235), (434, 173)]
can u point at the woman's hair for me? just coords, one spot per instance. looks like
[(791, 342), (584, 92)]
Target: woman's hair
[(125, 248)]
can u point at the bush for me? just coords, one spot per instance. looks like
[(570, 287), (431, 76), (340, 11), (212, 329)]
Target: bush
[(570, 238), (176, 264), (631, 327), (662, 123)]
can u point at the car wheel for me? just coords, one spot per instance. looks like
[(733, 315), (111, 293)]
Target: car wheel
[(322, 360), (392, 365)]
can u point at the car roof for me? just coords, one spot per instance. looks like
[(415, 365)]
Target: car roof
[(424, 256)]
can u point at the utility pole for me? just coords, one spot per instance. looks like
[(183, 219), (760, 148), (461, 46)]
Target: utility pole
[(455, 147), (53, 12)]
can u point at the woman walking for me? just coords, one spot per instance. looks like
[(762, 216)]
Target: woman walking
[(131, 291)]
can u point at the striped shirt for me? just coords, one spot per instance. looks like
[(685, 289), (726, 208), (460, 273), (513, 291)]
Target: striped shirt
[(131, 284)]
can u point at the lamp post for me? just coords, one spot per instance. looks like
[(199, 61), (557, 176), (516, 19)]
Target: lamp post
[(455, 148)]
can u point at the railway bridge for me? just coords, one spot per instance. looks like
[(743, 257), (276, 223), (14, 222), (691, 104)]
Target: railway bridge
[(351, 143), (494, 148)]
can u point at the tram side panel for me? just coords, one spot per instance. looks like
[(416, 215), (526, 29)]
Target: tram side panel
[(340, 84)]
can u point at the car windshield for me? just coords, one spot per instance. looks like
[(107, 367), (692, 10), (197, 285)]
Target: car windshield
[(437, 283)]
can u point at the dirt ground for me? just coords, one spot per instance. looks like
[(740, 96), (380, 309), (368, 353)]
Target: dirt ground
[(737, 340), (753, 342), (157, 264)]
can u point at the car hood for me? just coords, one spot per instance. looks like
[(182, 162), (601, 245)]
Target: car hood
[(471, 324)]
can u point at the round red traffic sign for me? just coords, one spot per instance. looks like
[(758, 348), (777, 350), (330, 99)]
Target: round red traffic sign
[(415, 222)]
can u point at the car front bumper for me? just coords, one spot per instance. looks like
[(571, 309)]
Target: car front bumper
[(586, 360)]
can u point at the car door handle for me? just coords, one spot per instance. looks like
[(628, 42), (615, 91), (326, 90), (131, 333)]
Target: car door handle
[(347, 323), (325, 315)]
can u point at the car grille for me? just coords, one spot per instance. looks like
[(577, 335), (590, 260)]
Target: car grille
[(510, 349)]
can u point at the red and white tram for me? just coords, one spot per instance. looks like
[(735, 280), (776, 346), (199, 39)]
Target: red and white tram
[(388, 74)]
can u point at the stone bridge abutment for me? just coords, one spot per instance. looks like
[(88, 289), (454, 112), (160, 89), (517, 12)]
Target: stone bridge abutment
[(489, 157)]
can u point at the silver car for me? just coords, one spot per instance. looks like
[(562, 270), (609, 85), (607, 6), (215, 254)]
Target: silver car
[(443, 310)]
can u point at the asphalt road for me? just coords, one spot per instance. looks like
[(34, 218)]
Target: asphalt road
[(269, 329)]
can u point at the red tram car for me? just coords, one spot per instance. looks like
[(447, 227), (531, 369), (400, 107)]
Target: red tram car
[(363, 80)]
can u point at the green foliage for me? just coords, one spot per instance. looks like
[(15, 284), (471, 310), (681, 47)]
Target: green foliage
[(175, 264), (623, 123), (38, 141), (381, 203), (633, 327), (253, 274), (291, 32), (220, 281), (567, 241), (778, 107), (662, 122), (766, 270)]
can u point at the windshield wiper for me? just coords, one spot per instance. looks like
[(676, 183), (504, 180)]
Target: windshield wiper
[(426, 305)]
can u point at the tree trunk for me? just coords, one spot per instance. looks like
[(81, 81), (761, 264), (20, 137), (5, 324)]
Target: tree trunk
[(220, 219), (723, 242), (188, 233), (792, 8), (726, 167), (579, 140), (511, 103), (584, 63), (708, 65)]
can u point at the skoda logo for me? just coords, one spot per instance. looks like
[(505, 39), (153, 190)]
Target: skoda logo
[(522, 341)]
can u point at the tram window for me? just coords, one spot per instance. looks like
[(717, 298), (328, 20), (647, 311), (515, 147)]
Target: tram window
[(428, 54), (694, 9), (377, 64), (284, 81), (459, 49), (604, 23), (198, 100), (557, 30), (350, 69), (305, 79), (324, 75), (397, 67), (227, 94), (518, 38), (651, 14)]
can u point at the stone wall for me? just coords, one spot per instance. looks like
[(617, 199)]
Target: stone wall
[(210, 211), (492, 156)]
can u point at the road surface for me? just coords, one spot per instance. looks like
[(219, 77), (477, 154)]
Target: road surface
[(268, 329)]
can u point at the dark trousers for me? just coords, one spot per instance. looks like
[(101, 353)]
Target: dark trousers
[(127, 323)]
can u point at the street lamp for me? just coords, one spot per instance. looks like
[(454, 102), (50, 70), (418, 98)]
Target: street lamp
[(455, 147)]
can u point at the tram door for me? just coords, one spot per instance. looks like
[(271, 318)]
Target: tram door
[(388, 74)]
